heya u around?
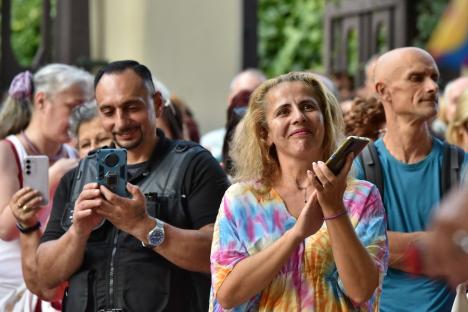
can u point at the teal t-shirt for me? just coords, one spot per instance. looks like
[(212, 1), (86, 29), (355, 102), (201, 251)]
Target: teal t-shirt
[(411, 192)]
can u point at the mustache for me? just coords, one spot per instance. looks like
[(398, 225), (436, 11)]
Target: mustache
[(430, 98), (123, 130)]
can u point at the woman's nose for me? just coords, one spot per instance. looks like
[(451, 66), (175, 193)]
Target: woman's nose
[(298, 114)]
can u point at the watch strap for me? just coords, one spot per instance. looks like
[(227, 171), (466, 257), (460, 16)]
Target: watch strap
[(27, 230)]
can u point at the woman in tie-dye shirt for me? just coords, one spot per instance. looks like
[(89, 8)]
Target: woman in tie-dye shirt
[(290, 235)]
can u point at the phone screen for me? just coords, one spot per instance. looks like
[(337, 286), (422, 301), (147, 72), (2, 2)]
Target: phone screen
[(352, 144)]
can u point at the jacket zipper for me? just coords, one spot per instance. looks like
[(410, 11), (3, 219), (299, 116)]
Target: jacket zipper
[(111, 272)]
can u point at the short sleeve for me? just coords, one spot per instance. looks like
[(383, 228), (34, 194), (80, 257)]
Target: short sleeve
[(205, 184), (372, 230), (368, 216), (227, 248)]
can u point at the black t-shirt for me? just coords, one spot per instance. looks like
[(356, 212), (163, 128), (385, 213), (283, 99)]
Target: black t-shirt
[(204, 184)]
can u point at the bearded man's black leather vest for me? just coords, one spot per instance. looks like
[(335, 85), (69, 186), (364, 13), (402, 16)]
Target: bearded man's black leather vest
[(118, 272)]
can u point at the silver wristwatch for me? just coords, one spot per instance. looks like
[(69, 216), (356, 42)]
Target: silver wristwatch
[(155, 237)]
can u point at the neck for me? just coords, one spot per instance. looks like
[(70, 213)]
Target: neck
[(294, 172), (143, 152), (409, 142), (43, 145)]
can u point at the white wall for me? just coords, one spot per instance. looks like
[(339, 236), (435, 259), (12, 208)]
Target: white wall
[(194, 47)]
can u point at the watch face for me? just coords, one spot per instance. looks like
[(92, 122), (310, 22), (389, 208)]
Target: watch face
[(156, 237)]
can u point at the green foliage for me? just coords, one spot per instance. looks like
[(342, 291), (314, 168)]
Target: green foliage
[(429, 13), (25, 27), (290, 35)]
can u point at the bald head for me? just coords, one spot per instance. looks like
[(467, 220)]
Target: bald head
[(406, 83), (398, 59), (248, 80)]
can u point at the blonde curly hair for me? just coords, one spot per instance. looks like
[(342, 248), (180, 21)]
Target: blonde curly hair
[(459, 122), (253, 158)]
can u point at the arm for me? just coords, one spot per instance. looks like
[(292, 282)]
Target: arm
[(356, 268), (188, 249), (254, 273), (398, 244), (445, 252), (9, 186), (239, 275), (29, 242), (58, 259), (204, 185)]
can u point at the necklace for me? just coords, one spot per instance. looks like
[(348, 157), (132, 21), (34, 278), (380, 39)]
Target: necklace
[(35, 150), (304, 189)]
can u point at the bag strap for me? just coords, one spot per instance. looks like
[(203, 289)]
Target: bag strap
[(452, 162), (371, 164), (373, 170), (18, 163)]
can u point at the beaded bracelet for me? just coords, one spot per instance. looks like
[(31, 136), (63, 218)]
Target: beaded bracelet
[(27, 230), (339, 214)]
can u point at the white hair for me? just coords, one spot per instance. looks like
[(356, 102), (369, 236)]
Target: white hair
[(163, 90), (54, 78)]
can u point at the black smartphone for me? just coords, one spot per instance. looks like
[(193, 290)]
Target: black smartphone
[(352, 144), (112, 169)]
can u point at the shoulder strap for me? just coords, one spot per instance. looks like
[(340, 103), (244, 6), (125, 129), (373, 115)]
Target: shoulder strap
[(18, 163), (452, 162), (167, 175), (372, 170)]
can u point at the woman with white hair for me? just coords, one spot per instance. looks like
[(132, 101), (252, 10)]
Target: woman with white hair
[(34, 120)]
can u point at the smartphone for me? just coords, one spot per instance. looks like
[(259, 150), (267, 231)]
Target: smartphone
[(112, 169), (352, 144), (36, 175)]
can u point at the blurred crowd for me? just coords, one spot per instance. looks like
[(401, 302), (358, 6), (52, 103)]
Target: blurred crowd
[(255, 212)]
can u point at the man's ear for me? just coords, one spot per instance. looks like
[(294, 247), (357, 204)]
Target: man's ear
[(158, 104), (382, 90), (39, 100)]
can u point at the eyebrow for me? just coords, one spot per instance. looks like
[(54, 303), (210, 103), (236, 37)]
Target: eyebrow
[(303, 101)]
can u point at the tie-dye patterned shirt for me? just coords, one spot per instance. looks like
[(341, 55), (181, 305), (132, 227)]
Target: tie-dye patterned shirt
[(248, 222)]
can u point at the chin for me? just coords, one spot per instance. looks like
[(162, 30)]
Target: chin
[(128, 144)]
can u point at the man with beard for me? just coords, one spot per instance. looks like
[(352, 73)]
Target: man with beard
[(152, 252), (411, 162)]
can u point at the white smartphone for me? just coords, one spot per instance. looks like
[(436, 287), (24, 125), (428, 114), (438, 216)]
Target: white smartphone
[(36, 175)]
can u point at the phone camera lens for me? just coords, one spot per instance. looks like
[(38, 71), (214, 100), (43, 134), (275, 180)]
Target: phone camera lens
[(28, 167), (111, 160), (28, 161), (28, 172)]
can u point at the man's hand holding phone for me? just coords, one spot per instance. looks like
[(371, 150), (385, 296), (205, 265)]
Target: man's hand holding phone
[(124, 213), (85, 217)]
